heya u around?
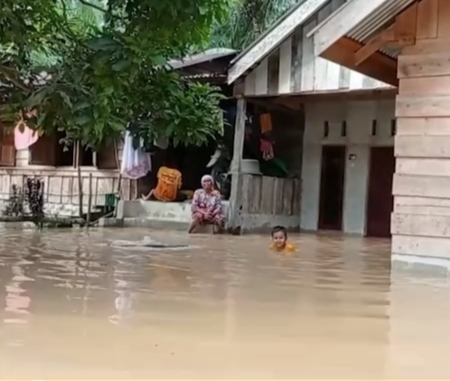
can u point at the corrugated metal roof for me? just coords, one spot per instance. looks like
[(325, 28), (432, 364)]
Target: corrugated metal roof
[(384, 16), (206, 56), (203, 76)]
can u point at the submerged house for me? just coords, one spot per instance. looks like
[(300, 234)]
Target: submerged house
[(57, 165), (338, 130), (406, 44)]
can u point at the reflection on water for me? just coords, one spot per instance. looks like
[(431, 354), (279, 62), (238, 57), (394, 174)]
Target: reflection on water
[(76, 306)]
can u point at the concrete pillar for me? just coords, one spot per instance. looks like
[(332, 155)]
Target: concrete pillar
[(421, 218)]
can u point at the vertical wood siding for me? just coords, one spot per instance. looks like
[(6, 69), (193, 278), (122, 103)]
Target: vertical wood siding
[(299, 70)]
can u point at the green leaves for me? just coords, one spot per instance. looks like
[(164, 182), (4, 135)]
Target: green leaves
[(105, 42), (247, 20), (189, 113), (107, 69)]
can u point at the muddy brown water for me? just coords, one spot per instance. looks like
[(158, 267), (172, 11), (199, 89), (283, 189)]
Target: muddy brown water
[(75, 306)]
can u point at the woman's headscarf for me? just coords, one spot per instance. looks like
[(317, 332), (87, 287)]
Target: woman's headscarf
[(206, 178)]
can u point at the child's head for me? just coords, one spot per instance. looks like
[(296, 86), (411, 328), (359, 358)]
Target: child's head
[(279, 236)]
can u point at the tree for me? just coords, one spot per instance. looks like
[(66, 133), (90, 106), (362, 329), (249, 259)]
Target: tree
[(248, 19), (111, 72)]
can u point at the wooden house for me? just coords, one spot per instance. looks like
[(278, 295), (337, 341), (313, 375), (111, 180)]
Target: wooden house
[(335, 126), (405, 43), (58, 165)]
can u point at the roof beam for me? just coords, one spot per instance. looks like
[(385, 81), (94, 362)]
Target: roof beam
[(406, 25), (376, 66), (341, 22), (401, 33), (375, 44), (264, 46)]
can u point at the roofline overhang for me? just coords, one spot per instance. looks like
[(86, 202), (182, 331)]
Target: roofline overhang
[(341, 22), (273, 38)]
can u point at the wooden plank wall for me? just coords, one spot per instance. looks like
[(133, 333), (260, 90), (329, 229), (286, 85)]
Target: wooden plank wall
[(294, 68), (421, 219), (264, 195)]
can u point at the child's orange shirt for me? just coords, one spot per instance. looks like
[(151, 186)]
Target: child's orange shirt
[(287, 248)]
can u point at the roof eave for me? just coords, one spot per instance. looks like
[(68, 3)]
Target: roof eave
[(273, 37), (342, 22)]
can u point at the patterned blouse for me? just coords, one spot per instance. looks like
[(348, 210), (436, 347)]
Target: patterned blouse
[(210, 202)]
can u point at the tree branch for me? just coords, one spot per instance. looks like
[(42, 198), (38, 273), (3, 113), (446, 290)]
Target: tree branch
[(12, 75)]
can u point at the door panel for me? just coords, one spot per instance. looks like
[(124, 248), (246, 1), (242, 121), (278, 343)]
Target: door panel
[(380, 201), (332, 188)]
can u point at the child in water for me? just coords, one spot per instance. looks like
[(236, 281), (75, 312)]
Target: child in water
[(279, 240)]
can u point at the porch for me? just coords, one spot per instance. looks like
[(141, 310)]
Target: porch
[(279, 204), (326, 106)]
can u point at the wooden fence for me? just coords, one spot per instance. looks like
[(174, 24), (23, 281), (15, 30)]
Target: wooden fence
[(265, 195), (61, 185)]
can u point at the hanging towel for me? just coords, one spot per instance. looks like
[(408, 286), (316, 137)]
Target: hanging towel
[(266, 149), (265, 120), (135, 162), (26, 138)]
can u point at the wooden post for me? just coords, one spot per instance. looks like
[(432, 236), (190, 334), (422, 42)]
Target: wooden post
[(234, 222), (88, 218), (80, 182)]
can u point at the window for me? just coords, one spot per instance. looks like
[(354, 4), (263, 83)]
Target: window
[(374, 127), (326, 129), (344, 128), (107, 157), (393, 127), (49, 150), (7, 147)]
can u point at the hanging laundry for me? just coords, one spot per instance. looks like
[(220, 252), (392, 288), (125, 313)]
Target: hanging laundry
[(136, 163), (266, 150), (265, 120), (24, 136)]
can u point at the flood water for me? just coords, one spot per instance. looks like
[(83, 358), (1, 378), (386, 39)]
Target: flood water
[(75, 305)]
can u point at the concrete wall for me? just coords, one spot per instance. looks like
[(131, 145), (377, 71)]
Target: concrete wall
[(177, 215), (157, 215), (359, 116)]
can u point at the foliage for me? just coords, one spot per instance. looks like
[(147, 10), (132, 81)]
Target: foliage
[(247, 20), (187, 111), (106, 72), (15, 203), (34, 195), (27, 202)]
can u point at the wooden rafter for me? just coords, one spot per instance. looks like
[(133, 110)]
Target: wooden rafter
[(341, 22), (376, 43), (401, 33), (377, 65)]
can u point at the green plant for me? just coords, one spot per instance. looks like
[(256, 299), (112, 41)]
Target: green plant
[(110, 72), (247, 20), (15, 204)]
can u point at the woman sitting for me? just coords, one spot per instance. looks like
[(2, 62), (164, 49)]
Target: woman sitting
[(207, 206)]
